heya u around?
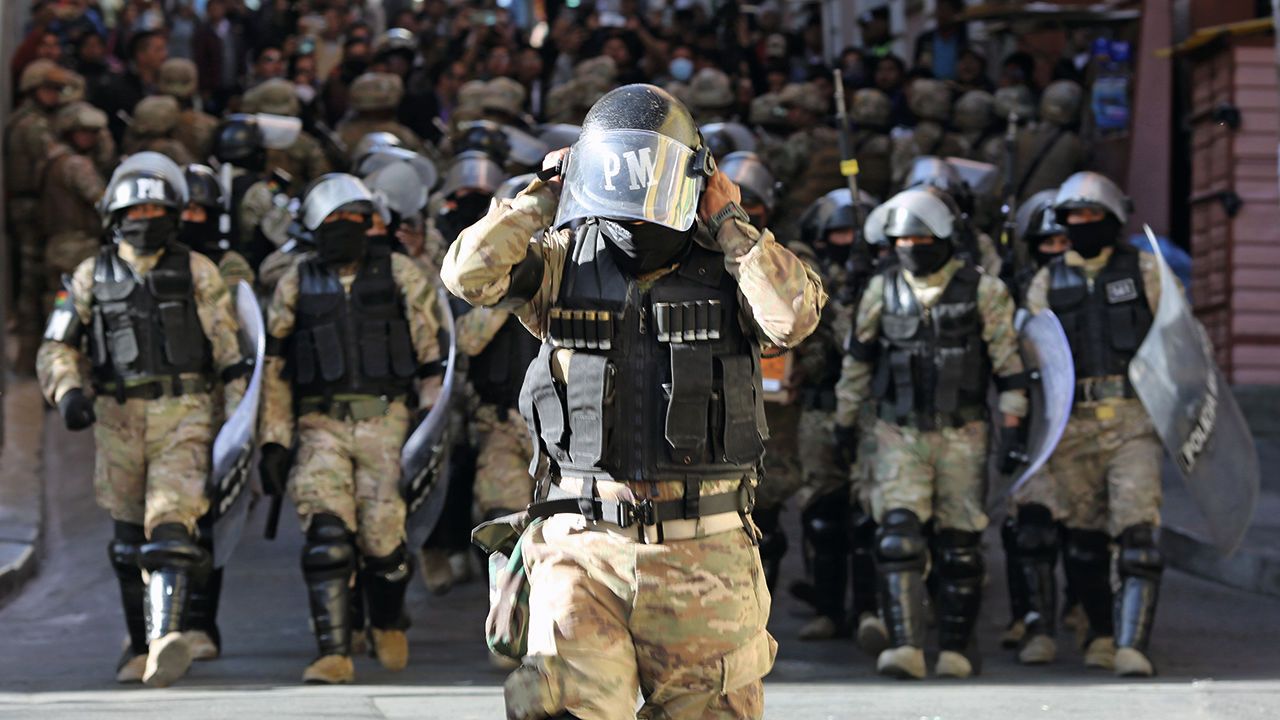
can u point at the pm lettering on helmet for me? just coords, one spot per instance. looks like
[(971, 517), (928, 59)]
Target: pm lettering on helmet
[(150, 189), (642, 168)]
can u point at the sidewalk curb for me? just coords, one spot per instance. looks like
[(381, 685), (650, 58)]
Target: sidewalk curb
[(21, 486), (1246, 569)]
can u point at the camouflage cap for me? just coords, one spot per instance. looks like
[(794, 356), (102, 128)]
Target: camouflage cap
[(376, 91), (710, 89), (43, 72), (471, 96), (1014, 99), (804, 96), (1060, 103), (974, 111), (871, 107), (78, 115), (178, 77), (600, 69), (766, 110), (929, 99), (155, 115), (275, 96), (503, 95)]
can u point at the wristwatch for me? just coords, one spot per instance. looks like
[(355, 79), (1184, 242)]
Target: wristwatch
[(731, 210)]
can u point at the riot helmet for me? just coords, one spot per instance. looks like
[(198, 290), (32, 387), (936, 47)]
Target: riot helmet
[(921, 225), (205, 223), (373, 141), (1091, 191), (558, 136), (1036, 222), (484, 136), (386, 155), (337, 209), (759, 188), (513, 186), (144, 201), (935, 172), (469, 185), (239, 141), (724, 138)]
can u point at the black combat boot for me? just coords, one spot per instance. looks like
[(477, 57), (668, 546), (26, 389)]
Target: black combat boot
[(328, 563), (960, 574), (1141, 565)]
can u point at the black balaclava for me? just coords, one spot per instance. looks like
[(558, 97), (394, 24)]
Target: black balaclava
[(342, 242), (924, 260), (149, 236), (1089, 239), (644, 247), (203, 237), (468, 211)]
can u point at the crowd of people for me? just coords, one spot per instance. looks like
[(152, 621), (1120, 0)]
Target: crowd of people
[(350, 165)]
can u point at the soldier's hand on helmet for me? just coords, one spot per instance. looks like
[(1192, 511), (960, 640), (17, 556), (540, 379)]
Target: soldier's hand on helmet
[(76, 410), (551, 164), (720, 192), (845, 440), (1012, 449), (273, 468)]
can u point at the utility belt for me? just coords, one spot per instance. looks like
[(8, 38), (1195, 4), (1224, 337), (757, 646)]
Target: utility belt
[(652, 521), (349, 407), (1097, 389), (153, 388), (935, 421)]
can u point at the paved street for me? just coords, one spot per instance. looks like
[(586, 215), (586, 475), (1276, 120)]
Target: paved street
[(1218, 650)]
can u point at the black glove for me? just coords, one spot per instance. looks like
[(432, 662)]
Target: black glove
[(76, 410), (273, 468), (845, 439), (1013, 449)]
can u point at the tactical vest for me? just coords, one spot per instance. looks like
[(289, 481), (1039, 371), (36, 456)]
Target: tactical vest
[(355, 343), (664, 383), (497, 373), (1105, 321), (146, 327), (934, 368)]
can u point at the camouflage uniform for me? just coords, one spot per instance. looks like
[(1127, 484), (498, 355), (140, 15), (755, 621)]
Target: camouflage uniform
[(155, 122), (930, 100), (683, 621), (178, 78), (152, 454), (305, 159), (349, 468), (870, 111), (710, 97), (374, 99), (570, 102), (1049, 152), (808, 162)]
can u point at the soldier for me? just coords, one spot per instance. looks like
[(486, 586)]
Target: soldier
[(1052, 150), (374, 99), (938, 331), (644, 576), (259, 215), (154, 127), (160, 332), (808, 163), (70, 222), (930, 100), (206, 227), (711, 96), (981, 130), (304, 160), (592, 78), (871, 112), (354, 324), (179, 80), (938, 175), (1104, 477), (27, 140)]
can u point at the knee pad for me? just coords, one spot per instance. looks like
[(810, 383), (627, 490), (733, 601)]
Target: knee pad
[(826, 523), (1140, 556), (900, 541), (392, 568), (125, 548), (172, 546), (960, 554), (1037, 535), (328, 550)]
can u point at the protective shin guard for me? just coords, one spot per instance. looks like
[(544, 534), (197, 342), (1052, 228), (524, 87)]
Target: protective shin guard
[(1087, 559), (1140, 565), (205, 594), (773, 543), (124, 551), (385, 581), (862, 547), (1018, 602), (826, 528), (172, 559), (1036, 556), (960, 575), (328, 561), (901, 553)]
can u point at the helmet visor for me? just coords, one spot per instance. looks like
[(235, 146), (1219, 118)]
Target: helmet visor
[(631, 175)]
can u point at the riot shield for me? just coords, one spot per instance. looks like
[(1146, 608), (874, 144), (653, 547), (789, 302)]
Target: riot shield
[(1047, 356), (233, 447), (1195, 414), (423, 482)]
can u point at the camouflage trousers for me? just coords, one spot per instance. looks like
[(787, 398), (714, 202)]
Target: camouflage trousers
[(153, 459), (938, 474), (29, 279), (818, 468), (1105, 472), (680, 623), (503, 482), (351, 469), (782, 473), (862, 475)]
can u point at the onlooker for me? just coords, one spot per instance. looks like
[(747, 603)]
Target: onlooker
[(148, 50), (939, 49)]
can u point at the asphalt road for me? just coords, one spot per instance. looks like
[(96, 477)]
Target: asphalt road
[(1218, 650)]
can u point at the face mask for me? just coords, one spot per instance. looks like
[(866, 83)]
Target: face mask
[(644, 247), (149, 236), (468, 211), (202, 237), (681, 69), (923, 260), (1089, 239), (342, 242), (836, 254), (1043, 258)]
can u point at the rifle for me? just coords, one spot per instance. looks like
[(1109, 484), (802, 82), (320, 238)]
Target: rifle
[(1009, 208), (848, 163)]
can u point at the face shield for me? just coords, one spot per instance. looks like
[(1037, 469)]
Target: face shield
[(633, 175)]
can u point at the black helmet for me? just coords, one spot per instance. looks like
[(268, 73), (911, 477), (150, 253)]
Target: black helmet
[(145, 178), (239, 141), (484, 136), (204, 187), (643, 107)]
